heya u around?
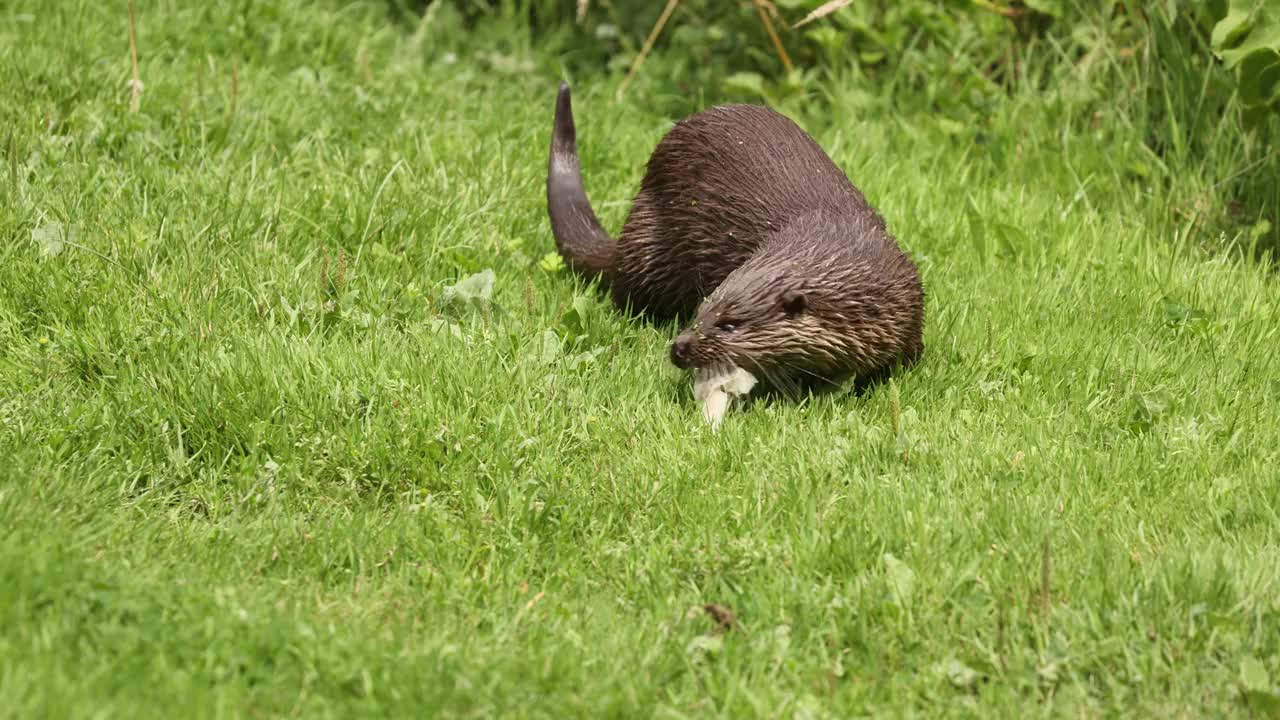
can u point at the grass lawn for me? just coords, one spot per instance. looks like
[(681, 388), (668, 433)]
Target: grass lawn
[(262, 456)]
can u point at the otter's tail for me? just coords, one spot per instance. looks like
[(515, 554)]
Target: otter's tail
[(583, 243)]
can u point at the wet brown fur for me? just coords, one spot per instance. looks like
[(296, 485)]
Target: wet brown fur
[(743, 221)]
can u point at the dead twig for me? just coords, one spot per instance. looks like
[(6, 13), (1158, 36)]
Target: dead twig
[(13, 164), (822, 11), (135, 84), (235, 91), (761, 7), (648, 45)]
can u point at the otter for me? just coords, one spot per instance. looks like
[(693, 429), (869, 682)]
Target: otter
[(745, 227)]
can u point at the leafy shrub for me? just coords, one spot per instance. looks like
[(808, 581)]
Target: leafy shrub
[(941, 55), (1200, 79), (1247, 39)]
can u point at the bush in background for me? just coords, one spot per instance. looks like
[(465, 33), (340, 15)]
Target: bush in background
[(1202, 79)]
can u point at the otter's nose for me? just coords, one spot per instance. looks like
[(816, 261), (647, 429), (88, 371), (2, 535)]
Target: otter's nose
[(681, 350)]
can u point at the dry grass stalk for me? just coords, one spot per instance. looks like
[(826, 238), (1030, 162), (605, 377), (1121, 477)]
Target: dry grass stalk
[(762, 7), (822, 11), (235, 91), (135, 84), (1046, 572), (648, 45)]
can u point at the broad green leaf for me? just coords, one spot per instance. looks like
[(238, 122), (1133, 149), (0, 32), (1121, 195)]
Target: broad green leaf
[(1012, 238), (1259, 77), (583, 359), (1253, 674), (52, 238), (1256, 688), (959, 674), (1247, 40), (828, 38), (551, 262), (442, 325), (475, 289), (902, 579), (746, 82), (1231, 27), (550, 347), (1052, 8), (1266, 702), (581, 306), (703, 647), (1263, 40)]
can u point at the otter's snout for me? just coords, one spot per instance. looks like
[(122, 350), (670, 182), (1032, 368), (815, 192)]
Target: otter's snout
[(682, 351)]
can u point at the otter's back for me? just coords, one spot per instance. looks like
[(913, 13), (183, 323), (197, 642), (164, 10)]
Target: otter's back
[(719, 184)]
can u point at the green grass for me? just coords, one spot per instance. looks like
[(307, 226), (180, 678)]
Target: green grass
[(238, 481)]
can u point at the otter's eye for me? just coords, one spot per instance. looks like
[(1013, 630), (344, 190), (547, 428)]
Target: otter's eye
[(726, 326)]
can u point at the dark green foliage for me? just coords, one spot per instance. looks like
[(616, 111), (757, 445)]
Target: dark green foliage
[(1199, 78), (1247, 38)]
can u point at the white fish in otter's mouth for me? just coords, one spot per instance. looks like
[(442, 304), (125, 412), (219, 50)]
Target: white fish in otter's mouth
[(712, 387)]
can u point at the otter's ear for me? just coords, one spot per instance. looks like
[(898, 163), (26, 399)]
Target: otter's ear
[(794, 302)]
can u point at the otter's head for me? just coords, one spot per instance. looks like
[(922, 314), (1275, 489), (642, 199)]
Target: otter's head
[(761, 318), (826, 296)]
